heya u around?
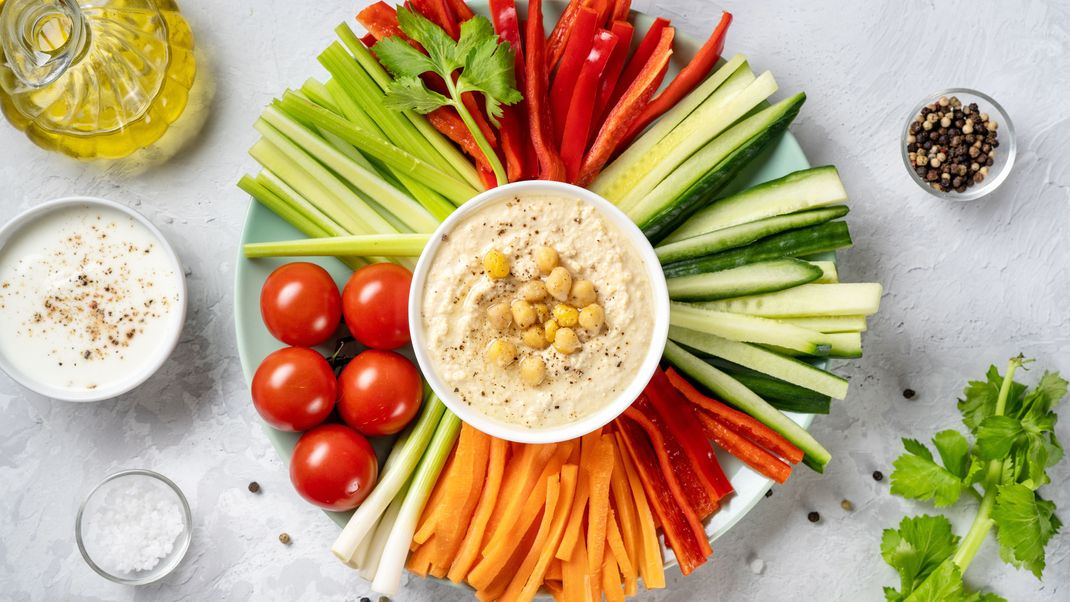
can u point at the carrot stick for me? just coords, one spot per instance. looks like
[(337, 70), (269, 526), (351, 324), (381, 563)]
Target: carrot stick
[(601, 467), (556, 590), (531, 557), (625, 506), (651, 565), (435, 506), (521, 475), (752, 455), (620, 554), (574, 574), (497, 588), (507, 531), (553, 572), (488, 499), (741, 422), (611, 578), (583, 493), (526, 584), (469, 486), (420, 560)]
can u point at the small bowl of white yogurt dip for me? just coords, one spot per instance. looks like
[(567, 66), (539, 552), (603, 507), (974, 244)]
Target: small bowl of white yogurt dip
[(92, 299)]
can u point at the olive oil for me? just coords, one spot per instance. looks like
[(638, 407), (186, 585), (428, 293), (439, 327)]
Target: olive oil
[(94, 79)]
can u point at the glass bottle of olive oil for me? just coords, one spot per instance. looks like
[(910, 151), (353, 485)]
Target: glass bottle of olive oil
[(94, 79)]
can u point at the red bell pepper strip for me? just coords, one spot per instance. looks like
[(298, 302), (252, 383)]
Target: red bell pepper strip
[(752, 455), (581, 107), (624, 32), (683, 425), (740, 422), (683, 531), (604, 8), (673, 459), (535, 84), (368, 40), (447, 121), (685, 81), (579, 45), (555, 44), (438, 13), (461, 11), (639, 59), (627, 110), (621, 10), (381, 21), (515, 143)]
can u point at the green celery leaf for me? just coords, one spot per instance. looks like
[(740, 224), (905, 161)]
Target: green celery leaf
[(1024, 524), (1045, 395), (474, 32), (986, 597), (979, 398), (943, 585), (401, 59), (996, 435), (917, 548), (439, 45), (410, 93), (954, 452), (489, 69), (891, 595), (917, 476)]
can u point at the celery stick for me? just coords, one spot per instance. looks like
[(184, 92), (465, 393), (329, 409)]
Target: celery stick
[(317, 92), (274, 183), (396, 472), (411, 213), (455, 159), (385, 245), (392, 560)]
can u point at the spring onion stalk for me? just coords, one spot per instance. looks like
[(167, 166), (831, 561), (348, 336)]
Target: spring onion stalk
[(384, 245), (377, 542), (399, 466), (401, 205), (392, 560), (351, 129), (454, 158)]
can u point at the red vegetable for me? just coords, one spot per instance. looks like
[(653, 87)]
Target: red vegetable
[(294, 389), (737, 445), (740, 422), (686, 80), (438, 13), (380, 392), (683, 531), (300, 304), (381, 21), (375, 302), (578, 122), (539, 118), (447, 121), (555, 44), (621, 10), (639, 59), (460, 10), (627, 110), (683, 425), (579, 45), (515, 142), (624, 32), (333, 467)]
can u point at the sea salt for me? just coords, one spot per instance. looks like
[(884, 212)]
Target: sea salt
[(135, 527)]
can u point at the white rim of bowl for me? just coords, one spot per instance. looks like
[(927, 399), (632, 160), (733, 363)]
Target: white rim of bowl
[(609, 411), (167, 346), (1007, 143), (176, 555)]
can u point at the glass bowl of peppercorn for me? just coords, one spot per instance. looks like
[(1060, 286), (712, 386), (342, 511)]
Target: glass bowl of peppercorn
[(958, 144)]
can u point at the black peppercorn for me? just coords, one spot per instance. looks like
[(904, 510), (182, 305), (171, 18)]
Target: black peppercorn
[(909, 393), (878, 475), (813, 517), (769, 493), (254, 487)]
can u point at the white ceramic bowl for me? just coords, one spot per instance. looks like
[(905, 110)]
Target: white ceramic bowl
[(160, 353), (636, 381)]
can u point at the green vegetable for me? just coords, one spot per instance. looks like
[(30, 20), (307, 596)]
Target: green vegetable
[(382, 245), (1014, 444), (485, 64)]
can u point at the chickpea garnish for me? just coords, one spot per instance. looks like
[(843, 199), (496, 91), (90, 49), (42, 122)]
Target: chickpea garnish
[(533, 291), (559, 283), (523, 313), (566, 341), (546, 259), (533, 337), (496, 264), (566, 315), (583, 293), (500, 316), (592, 317), (550, 328), (542, 313), (532, 370), (501, 353)]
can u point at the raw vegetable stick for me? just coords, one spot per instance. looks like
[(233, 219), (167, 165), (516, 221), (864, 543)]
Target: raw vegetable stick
[(555, 44), (621, 10), (611, 582), (651, 565), (752, 455), (639, 59), (557, 495), (569, 476), (535, 83), (608, 81), (621, 555), (574, 574), (564, 81), (458, 477), (598, 511), (514, 124), (497, 588), (583, 492), (503, 536), (453, 530), (682, 479), (625, 507), (460, 10), (577, 124), (473, 539), (521, 477)]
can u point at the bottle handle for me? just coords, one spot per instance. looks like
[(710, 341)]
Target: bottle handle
[(40, 40)]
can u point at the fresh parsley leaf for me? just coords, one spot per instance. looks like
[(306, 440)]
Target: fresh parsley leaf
[(919, 546), (954, 452), (917, 476), (410, 93), (1024, 524), (996, 435), (979, 398)]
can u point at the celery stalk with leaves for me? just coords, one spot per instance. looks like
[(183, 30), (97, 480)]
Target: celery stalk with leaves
[(1002, 470), (476, 62)]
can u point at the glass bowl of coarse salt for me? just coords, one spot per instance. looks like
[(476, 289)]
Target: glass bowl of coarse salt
[(134, 527)]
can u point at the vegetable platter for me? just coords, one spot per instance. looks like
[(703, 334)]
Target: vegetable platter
[(356, 177)]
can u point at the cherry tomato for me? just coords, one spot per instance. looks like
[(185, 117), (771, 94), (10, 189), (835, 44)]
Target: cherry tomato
[(334, 467), (380, 392), (294, 389), (300, 304), (375, 302)]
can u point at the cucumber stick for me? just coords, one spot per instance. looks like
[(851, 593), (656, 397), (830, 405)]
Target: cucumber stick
[(797, 191), (783, 396), (845, 299), (735, 393), (828, 236), (744, 234), (721, 110), (729, 79), (748, 329), (787, 369), (697, 180), (830, 323), (829, 273), (840, 344), (745, 280)]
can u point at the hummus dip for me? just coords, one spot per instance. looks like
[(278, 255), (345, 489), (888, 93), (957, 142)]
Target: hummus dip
[(465, 338)]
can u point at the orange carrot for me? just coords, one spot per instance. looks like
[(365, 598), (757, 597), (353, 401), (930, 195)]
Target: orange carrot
[(488, 499), (652, 565), (521, 474), (508, 531), (545, 555), (583, 492), (553, 572), (531, 557), (627, 569), (574, 574), (625, 506), (420, 560), (556, 590), (497, 588), (474, 451), (601, 467), (611, 578)]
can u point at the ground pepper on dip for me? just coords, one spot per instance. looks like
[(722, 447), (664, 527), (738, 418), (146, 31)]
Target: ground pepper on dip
[(495, 306)]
